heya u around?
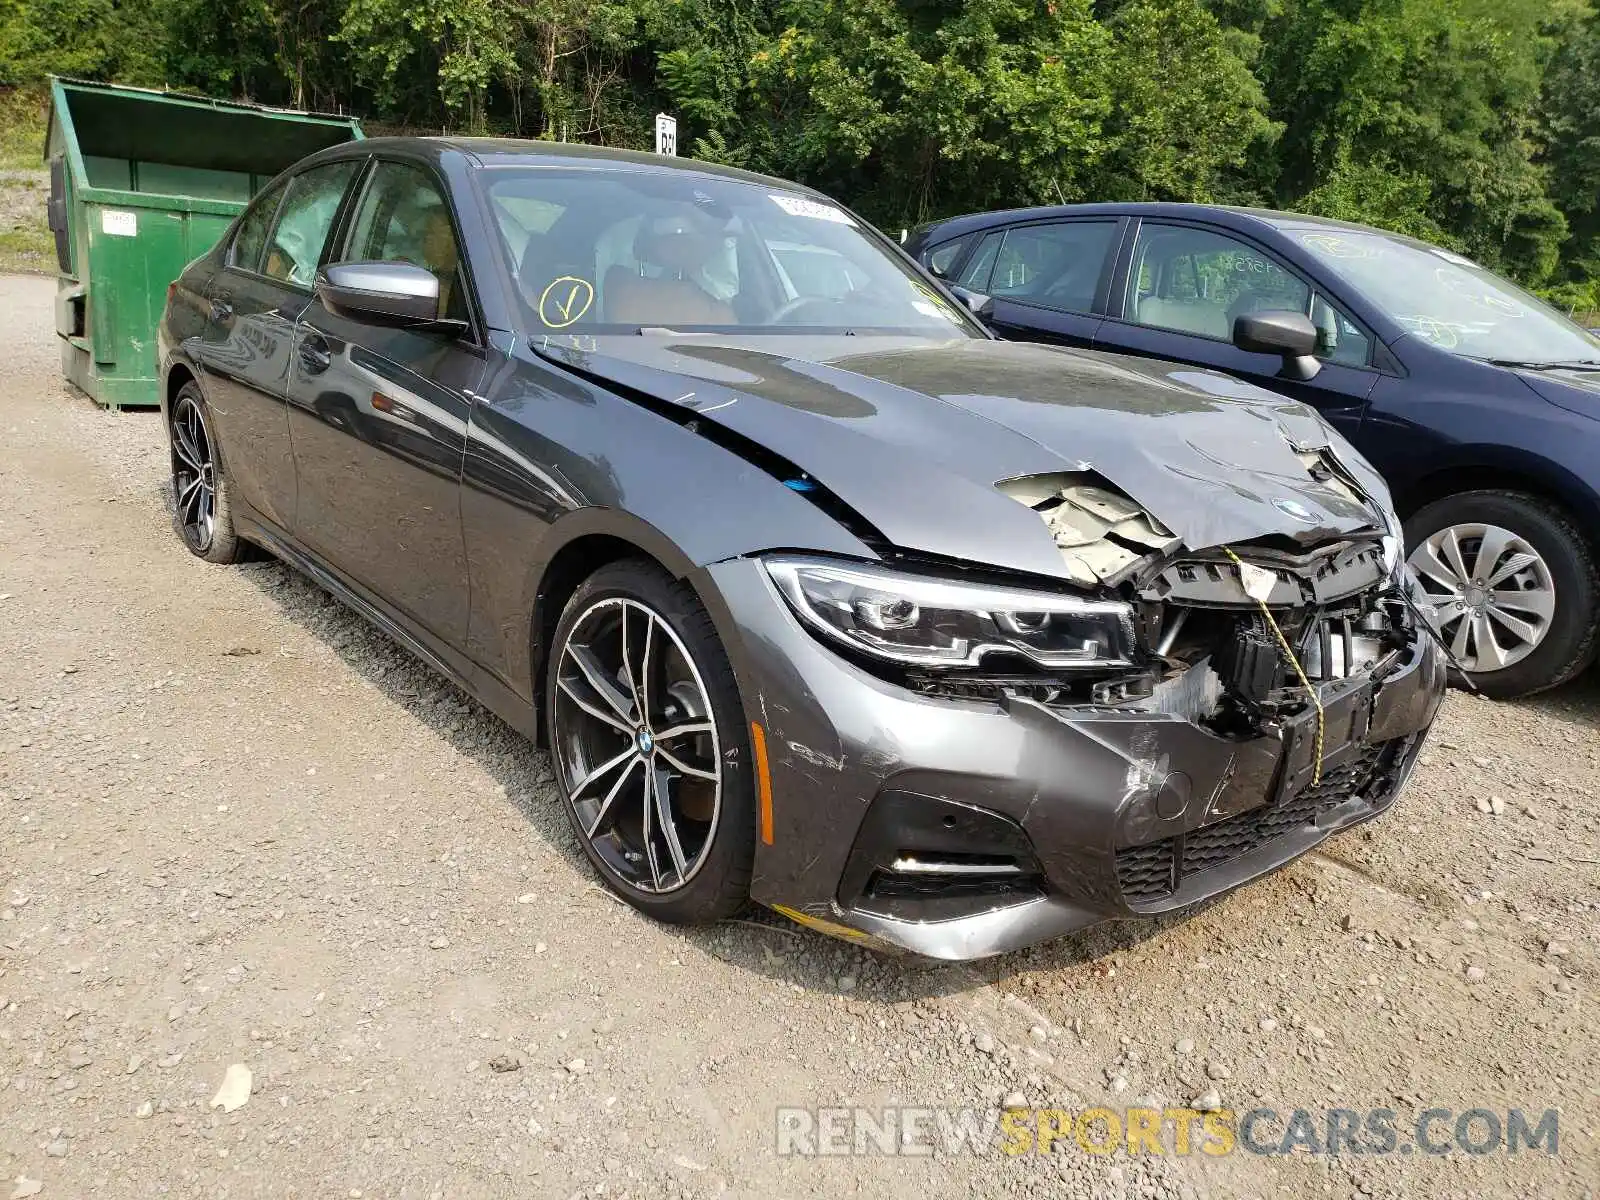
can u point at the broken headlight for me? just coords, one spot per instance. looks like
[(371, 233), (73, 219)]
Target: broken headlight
[(926, 621)]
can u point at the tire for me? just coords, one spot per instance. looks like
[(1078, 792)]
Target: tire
[(200, 486), (702, 872), (1566, 641)]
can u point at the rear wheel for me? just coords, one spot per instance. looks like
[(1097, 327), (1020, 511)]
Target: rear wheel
[(647, 738), (1513, 581), (204, 509)]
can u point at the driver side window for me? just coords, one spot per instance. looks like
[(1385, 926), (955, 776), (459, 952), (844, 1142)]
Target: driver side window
[(1198, 281), (403, 217)]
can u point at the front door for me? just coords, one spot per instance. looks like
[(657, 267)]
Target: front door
[(378, 415), (1184, 286)]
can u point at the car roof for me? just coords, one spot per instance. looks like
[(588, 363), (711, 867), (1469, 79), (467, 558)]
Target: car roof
[(525, 152), (1229, 215)]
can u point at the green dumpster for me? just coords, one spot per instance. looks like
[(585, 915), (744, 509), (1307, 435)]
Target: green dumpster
[(141, 183)]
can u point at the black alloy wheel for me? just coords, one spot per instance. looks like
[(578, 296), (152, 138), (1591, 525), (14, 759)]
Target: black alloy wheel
[(639, 699), (202, 508)]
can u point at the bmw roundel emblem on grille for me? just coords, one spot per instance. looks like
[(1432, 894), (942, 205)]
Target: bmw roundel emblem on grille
[(1293, 508)]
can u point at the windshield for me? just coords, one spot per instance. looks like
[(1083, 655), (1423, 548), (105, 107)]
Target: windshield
[(1450, 301), (619, 250)]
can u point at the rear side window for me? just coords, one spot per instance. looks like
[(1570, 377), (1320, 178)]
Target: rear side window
[(304, 221), (251, 238), (941, 258), (1056, 266)]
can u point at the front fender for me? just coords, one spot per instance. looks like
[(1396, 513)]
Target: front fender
[(552, 458)]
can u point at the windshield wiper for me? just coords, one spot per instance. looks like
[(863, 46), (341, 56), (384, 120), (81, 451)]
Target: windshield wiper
[(1569, 364)]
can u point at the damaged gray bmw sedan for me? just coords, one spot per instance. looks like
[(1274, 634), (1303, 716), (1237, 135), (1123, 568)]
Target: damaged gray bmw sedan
[(817, 594)]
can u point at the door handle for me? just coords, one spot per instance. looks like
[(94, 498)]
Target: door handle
[(314, 354), (221, 310)]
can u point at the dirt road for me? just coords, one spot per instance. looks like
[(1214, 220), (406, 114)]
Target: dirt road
[(239, 827)]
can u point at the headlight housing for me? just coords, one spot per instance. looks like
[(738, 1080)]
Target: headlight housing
[(922, 620)]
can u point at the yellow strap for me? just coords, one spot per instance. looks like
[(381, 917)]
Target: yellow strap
[(1283, 644)]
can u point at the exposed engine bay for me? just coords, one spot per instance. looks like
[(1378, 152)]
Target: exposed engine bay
[(1234, 634)]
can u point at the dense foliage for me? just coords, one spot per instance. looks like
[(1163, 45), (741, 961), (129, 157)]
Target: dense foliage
[(1475, 123)]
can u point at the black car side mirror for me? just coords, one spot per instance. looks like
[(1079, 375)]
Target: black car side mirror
[(384, 293), (1290, 334), (977, 303)]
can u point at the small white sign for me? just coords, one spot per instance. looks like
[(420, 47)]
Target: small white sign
[(1258, 581), (799, 206), (118, 223), (666, 134)]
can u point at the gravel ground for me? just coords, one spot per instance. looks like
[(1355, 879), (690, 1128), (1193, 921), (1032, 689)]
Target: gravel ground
[(237, 826)]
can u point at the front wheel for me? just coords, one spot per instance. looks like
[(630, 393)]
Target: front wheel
[(1514, 584), (647, 738)]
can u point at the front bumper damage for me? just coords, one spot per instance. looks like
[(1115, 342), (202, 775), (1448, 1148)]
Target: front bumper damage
[(963, 823)]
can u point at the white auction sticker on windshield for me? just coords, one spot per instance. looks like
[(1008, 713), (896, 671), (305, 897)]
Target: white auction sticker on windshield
[(799, 206)]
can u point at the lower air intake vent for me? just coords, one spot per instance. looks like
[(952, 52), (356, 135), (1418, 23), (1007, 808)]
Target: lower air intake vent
[(1152, 871)]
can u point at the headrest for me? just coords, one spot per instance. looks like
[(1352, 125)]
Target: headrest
[(438, 240)]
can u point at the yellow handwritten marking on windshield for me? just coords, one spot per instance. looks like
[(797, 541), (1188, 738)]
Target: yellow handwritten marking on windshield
[(565, 300), (1334, 246)]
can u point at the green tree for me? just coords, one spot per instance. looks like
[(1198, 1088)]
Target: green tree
[(910, 109), (1444, 90), (94, 39), (1186, 113), (462, 46), (1571, 110)]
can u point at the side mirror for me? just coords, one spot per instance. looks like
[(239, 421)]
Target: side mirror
[(387, 293), (1289, 334), (977, 303)]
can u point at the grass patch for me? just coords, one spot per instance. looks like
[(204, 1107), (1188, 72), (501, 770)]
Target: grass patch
[(25, 241), (22, 126), (29, 250)]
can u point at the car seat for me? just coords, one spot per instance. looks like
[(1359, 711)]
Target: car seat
[(670, 299)]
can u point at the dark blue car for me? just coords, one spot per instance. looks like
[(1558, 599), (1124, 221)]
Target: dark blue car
[(1479, 403)]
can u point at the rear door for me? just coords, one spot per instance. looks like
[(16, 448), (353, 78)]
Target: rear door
[(1048, 279), (254, 302), (1180, 285), (379, 414)]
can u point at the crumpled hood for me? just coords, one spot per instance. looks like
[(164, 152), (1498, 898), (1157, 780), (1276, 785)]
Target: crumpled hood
[(914, 434)]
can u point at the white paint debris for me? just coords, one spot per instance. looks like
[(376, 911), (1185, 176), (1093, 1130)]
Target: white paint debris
[(235, 1090)]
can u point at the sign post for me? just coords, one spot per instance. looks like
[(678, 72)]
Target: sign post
[(666, 134)]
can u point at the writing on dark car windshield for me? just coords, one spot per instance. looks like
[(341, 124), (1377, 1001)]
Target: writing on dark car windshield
[(612, 251), (1450, 301)]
